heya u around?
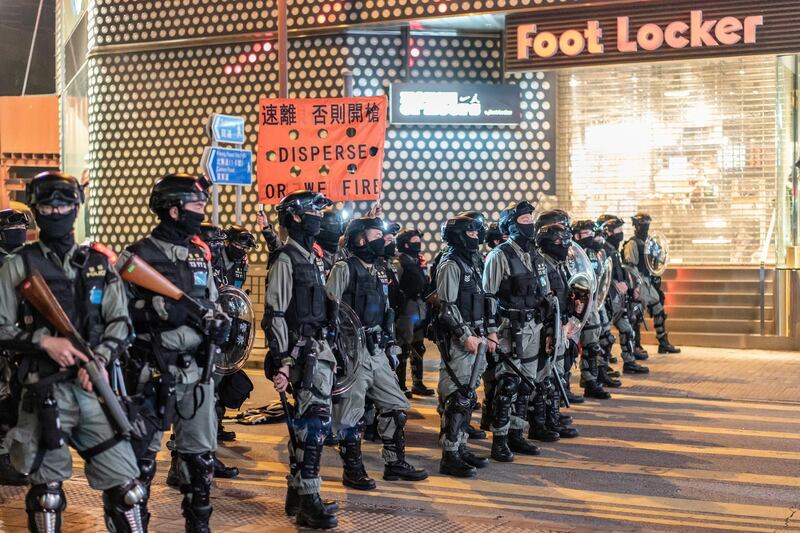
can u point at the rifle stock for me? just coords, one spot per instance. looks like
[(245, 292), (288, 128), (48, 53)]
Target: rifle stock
[(35, 291)]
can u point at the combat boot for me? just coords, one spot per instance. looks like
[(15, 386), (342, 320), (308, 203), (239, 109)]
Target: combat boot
[(611, 372), (632, 367), (500, 450), (418, 387), (223, 435), (553, 417), (520, 445), (222, 471), (537, 418), (594, 390), (9, 476), (354, 474), (394, 452), (665, 347), (640, 356), (292, 504), (452, 464), (607, 381), (637, 340), (314, 514), (478, 461), (573, 398), (475, 434)]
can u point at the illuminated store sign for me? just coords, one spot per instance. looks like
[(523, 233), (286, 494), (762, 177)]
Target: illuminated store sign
[(630, 32), (695, 33), (454, 103)]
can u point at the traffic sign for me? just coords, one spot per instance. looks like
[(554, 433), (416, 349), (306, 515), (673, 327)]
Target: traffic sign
[(228, 166), (226, 129)]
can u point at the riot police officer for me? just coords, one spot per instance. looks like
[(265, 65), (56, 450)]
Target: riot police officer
[(214, 238), (13, 228), (238, 243), (171, 341), (515, 281), (360, 283), (586, 234), (553, 240), (333, 225), (58, 404), (460, 326), (622, 295), (494, 236), (295, 322), (650, 290), (412, 319)]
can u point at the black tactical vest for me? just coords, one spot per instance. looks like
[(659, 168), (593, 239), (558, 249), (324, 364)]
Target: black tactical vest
[(366, 293), (642, 265), (237, 273), (190, 276), (618, 274), (557, 276), (470, 301), (308, 304), (81, 299), (520, 290), (414, 280)]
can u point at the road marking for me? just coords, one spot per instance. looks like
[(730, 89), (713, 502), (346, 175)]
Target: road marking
[(682, 448), (610, 410), (690, 429)]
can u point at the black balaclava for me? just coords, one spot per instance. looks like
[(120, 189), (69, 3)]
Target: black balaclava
[(586, 242), (13, 238), (641, 231), (55, 231), (615, 239), (556, 251), (597, 243), (389, 249), (235, 253), (305, 232), (179, 231), (370, 251), (412, 248)]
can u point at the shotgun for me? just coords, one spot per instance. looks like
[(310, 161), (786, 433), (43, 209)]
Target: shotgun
[(138, 272), (35, 291)]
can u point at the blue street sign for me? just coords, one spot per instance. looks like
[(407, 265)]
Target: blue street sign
[(228, 166), (227, 129)]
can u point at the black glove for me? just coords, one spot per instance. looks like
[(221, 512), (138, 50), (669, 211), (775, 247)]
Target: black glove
[(219, 329)]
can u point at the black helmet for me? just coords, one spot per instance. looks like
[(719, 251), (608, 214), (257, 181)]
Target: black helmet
[(405, 236), (584, 224), (210, 234), (391, 228), (177, 190), (241, 236), (553, 225), (300, 202), (641, 219), (509, 215), (358, 226), (11, 217), (455, 230), (494, 233), (54, 188), (608, 223), (478, 217)]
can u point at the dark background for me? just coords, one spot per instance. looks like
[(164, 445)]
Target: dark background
[(17, 19)]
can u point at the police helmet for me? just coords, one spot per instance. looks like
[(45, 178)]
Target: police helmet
[(299, 203), (358, 227), (455, 230), (177, 190), (54, 188), (241, 236), (11, 217), (480, 219)]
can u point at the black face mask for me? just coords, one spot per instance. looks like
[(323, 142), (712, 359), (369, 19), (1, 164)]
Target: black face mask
[(56, 227), (471, 244), (642, 232), (389, 250), (312, 225), (525, 231), (597, 244), (413, 248), (586, 242), (13, 238), (189, 222), (235, 253), (370, 251), (556, 251), (614, 240)]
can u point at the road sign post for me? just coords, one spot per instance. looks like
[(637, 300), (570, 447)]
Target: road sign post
[(227, 166)]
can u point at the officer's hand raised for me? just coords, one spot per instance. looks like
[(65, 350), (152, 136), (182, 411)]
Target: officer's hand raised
[(62, 351)]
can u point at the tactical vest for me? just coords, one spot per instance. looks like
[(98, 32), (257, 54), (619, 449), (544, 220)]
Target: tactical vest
[(618, 274), (558, 277), (520, 290), (414, 280), (366, 293), (396, 298), (308, 304), (470, 301), (642, 265), (80, 298), (190, 276), (237, 273)]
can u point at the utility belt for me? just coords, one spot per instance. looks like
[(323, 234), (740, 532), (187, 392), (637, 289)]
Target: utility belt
[(520, 316), (374, 339), (146, 352)]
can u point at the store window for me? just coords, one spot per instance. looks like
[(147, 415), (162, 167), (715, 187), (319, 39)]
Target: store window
[(75, 135), (693, 143)]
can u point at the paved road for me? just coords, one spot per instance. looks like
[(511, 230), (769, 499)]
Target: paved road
[(676, 450)]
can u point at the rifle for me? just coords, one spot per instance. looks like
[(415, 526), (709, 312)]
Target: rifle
[(138, 272), (35, 291)]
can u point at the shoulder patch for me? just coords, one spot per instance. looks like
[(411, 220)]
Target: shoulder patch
[(197, 241), (105, 250)]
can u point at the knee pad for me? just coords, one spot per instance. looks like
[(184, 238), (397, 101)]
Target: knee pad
[(508, 384), (523, 389), (125, 496), (399, 417), (458, 403), (46, 498), (201, 474), (147, 469)]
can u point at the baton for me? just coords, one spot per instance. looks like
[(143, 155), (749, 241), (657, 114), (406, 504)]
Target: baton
[(292, 436)]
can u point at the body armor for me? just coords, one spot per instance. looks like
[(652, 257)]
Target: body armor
[(470, 300), (366, 293), (308, 304), (414, 278), (522, 289)]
